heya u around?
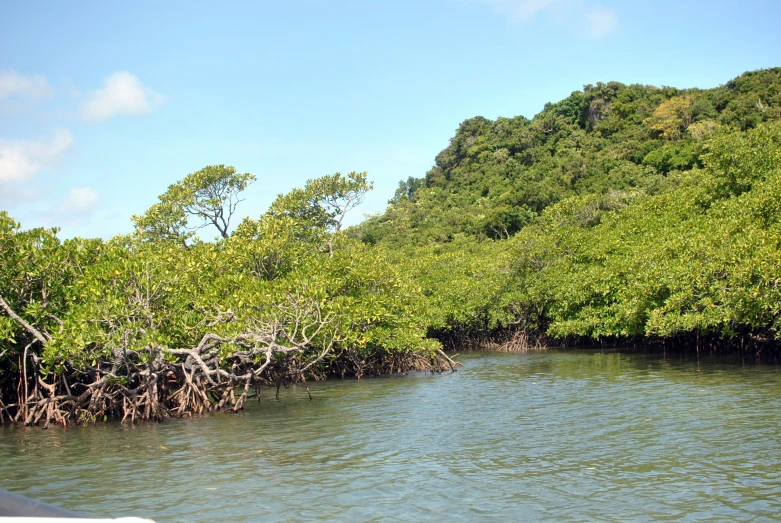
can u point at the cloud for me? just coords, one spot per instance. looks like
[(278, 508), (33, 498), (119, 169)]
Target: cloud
[(578, 16), (122, 93), (33, 86), (601, 22), (22, 159), (15, 196), (79, 200)]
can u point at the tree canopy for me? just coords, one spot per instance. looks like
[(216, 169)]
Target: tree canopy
[(496, 176), (622, 213), (208, 196)]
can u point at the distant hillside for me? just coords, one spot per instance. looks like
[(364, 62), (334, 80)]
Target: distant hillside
[(496, 176)]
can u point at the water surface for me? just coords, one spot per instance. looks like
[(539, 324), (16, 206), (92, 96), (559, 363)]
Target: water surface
[(554, 436)]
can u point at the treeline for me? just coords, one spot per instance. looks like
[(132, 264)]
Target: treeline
[(496, 177), (159, 323), (698, 265), (621, 214)]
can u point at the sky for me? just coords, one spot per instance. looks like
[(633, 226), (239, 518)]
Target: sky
[(104, 104)]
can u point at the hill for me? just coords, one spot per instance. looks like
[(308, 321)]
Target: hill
[(496, 176)]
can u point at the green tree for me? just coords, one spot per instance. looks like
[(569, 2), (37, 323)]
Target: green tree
[(210, 196), (672, 117), (320, 207), (164, 221)]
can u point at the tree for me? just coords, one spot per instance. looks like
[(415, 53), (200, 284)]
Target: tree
[(406, 190), (321, 206), (672, 117), (163, 221), (210, 195)]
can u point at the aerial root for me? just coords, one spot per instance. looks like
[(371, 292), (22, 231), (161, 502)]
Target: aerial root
[(193, 384), (521, 341), (452, 364)]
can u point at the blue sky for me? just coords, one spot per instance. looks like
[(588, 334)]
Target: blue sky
[(104, 104)]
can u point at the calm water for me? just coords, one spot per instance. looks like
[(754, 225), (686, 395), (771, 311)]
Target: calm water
[(540, 437)]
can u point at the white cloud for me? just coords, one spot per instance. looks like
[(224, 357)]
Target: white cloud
[(33, 86), (579, 16), (15, 196), (121, 94), (79, 200), (21, 159), (601, 22)]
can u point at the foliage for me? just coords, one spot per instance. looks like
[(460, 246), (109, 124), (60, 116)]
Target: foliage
[(672, 117), (209, 195), (701, 258), (146, 328), (318, 210), (495, 177), (620, 212)]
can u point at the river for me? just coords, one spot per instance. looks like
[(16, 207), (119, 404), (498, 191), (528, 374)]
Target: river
[(549, 436)]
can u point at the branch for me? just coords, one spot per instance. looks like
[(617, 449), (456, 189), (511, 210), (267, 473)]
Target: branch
[(59, 321), (450, 362), (207, 372), (32, 330)]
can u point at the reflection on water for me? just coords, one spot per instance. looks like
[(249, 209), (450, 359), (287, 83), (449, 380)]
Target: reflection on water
[(554, 436)]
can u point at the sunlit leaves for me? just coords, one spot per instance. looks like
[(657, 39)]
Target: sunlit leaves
[(667, 264), (202, 198), (672, 117)]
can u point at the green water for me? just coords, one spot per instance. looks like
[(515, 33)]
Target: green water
[(556, 436)]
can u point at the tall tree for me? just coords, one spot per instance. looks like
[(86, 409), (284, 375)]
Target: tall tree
[(322, 205), (209, 195)]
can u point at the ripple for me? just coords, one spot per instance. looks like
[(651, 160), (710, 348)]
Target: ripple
[(583, 436)]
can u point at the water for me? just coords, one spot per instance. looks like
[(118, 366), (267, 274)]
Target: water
[(556, 436)]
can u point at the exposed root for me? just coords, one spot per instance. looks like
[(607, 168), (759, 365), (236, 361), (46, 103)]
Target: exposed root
[(452, 364), (156, 382), (521, 341), (355, 364)]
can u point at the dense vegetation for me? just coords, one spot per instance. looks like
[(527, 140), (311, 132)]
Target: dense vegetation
[(495, 177), (159, 323), (622, 213)]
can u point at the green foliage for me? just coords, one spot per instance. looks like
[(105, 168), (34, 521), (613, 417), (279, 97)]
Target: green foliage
[(36, 275), (325, 201), (621, 211), (406, 190), (163, 221), (749, 99), (318, 210), (209, 195), (461, 281), (702, 257), (675, 156), (82, 304), (496, 176)]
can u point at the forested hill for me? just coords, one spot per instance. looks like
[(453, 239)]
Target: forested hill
[(498, 175), (621, 214)]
